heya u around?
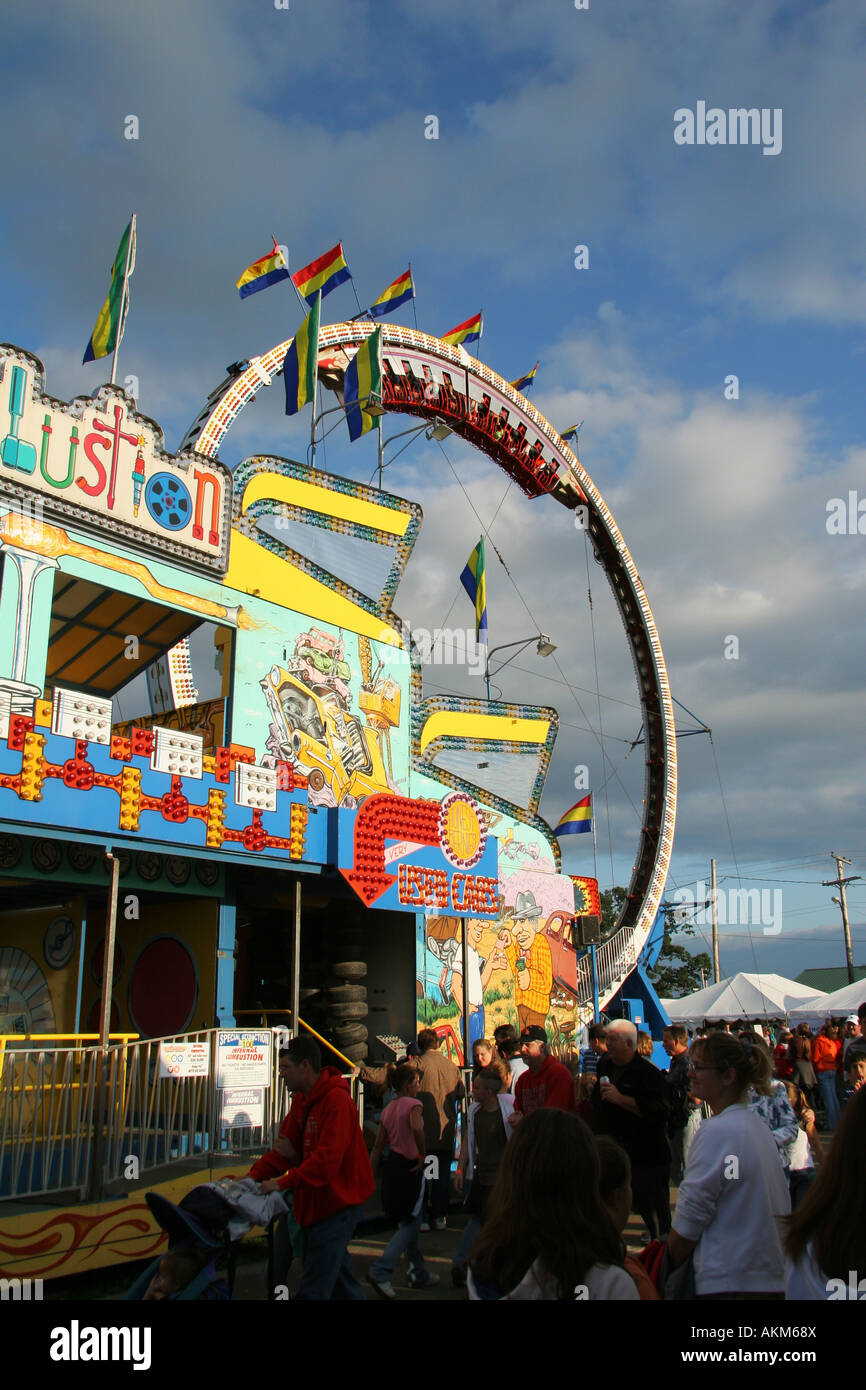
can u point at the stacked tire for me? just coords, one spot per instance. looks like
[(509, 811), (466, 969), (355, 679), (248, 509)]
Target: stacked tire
[(345, 1009)]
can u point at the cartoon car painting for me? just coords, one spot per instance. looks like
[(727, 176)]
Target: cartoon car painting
[(558, 930), (311, 729)]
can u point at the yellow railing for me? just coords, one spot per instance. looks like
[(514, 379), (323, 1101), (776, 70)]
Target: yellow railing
[(287, 1013)]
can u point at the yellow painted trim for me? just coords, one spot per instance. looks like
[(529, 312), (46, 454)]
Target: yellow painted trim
[(50, 1242), (459, 724), (255, 570), (314, 498)]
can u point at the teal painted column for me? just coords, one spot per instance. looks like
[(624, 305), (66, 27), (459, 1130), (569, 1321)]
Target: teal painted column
[(26, 591)]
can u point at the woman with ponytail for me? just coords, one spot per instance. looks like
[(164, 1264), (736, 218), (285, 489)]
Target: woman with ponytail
[(734, 1192)]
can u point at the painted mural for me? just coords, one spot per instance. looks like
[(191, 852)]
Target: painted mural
[(521, 968), (339, 737)]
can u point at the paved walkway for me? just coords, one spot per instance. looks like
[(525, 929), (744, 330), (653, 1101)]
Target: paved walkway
[(437, 1247)]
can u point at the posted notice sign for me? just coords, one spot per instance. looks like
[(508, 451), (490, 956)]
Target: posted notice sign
[(184, 1059), (242, 1107), (243, 1058)]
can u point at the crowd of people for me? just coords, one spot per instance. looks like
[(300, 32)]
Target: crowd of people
[(552, 1159)]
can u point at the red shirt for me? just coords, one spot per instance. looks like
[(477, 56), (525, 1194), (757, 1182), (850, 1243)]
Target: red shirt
[(551, 1088), (334, 1171), (782, 1061)]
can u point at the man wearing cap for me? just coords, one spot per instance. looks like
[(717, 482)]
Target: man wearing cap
[(855, 1045), (546, 1084), (528, 955)]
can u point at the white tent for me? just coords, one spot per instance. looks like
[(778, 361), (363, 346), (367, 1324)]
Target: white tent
[(837, 1005), (743, 996)]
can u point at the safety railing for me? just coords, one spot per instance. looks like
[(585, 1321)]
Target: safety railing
[(614, 962), (47, 1099), (74, 1119)]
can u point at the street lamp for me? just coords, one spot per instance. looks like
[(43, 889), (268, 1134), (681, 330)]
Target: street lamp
[(544, 647), (437, 430)]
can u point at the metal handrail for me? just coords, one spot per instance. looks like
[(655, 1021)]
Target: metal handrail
[(71, 1119), (264, 1012)]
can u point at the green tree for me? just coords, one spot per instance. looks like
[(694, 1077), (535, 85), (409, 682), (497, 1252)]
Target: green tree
[(677, 971), (612, 900)]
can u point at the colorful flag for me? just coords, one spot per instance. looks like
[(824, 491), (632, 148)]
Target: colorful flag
[(112, 316), (299, 368), (363, 380), (578, 820), (468, 332), (325, 274), (523, 382), (570, 433), (475, 584), (397, 293), (268, 270)]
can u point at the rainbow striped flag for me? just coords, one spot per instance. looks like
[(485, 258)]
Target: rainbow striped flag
[(570, 433), (112, 316), (267, 270), (299, 368), (523, 382), (324, 274), (398, 292), (468, 332), (363, 381), (578, 820), (475, 583)]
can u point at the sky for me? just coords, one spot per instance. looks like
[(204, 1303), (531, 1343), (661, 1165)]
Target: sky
[(555, 129)]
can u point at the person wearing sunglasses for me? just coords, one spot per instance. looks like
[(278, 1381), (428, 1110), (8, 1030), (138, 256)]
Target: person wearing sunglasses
[(734, 1193)]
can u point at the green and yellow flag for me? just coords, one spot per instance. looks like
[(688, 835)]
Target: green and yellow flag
[(474, 582), (112, 316), (363, 382), (299, 368)]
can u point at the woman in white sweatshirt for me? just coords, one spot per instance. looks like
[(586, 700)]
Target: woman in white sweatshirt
[(734, 1192)]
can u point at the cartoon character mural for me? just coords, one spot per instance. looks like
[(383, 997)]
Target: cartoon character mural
[(527, 953), (313, 725), (521, 969)]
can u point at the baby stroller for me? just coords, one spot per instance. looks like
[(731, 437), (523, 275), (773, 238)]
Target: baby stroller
[(197, 1227), (203, 1230)]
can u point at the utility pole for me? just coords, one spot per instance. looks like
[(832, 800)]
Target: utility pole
[(717, 974), (840, 882)]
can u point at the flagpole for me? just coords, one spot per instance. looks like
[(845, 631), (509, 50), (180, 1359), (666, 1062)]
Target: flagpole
[(594, 845), (315, 348), (305, 308), (412, 283), (123, 305)]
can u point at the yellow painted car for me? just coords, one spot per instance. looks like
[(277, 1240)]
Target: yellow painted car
[(329, 745)]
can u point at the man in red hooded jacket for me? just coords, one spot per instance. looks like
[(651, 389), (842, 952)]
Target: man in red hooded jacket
[(321, 1158)]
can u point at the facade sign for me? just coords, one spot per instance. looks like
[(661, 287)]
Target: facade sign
[(441, 857), (243, 1058), (242, 1107), (184, 1059), (98, 464)]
